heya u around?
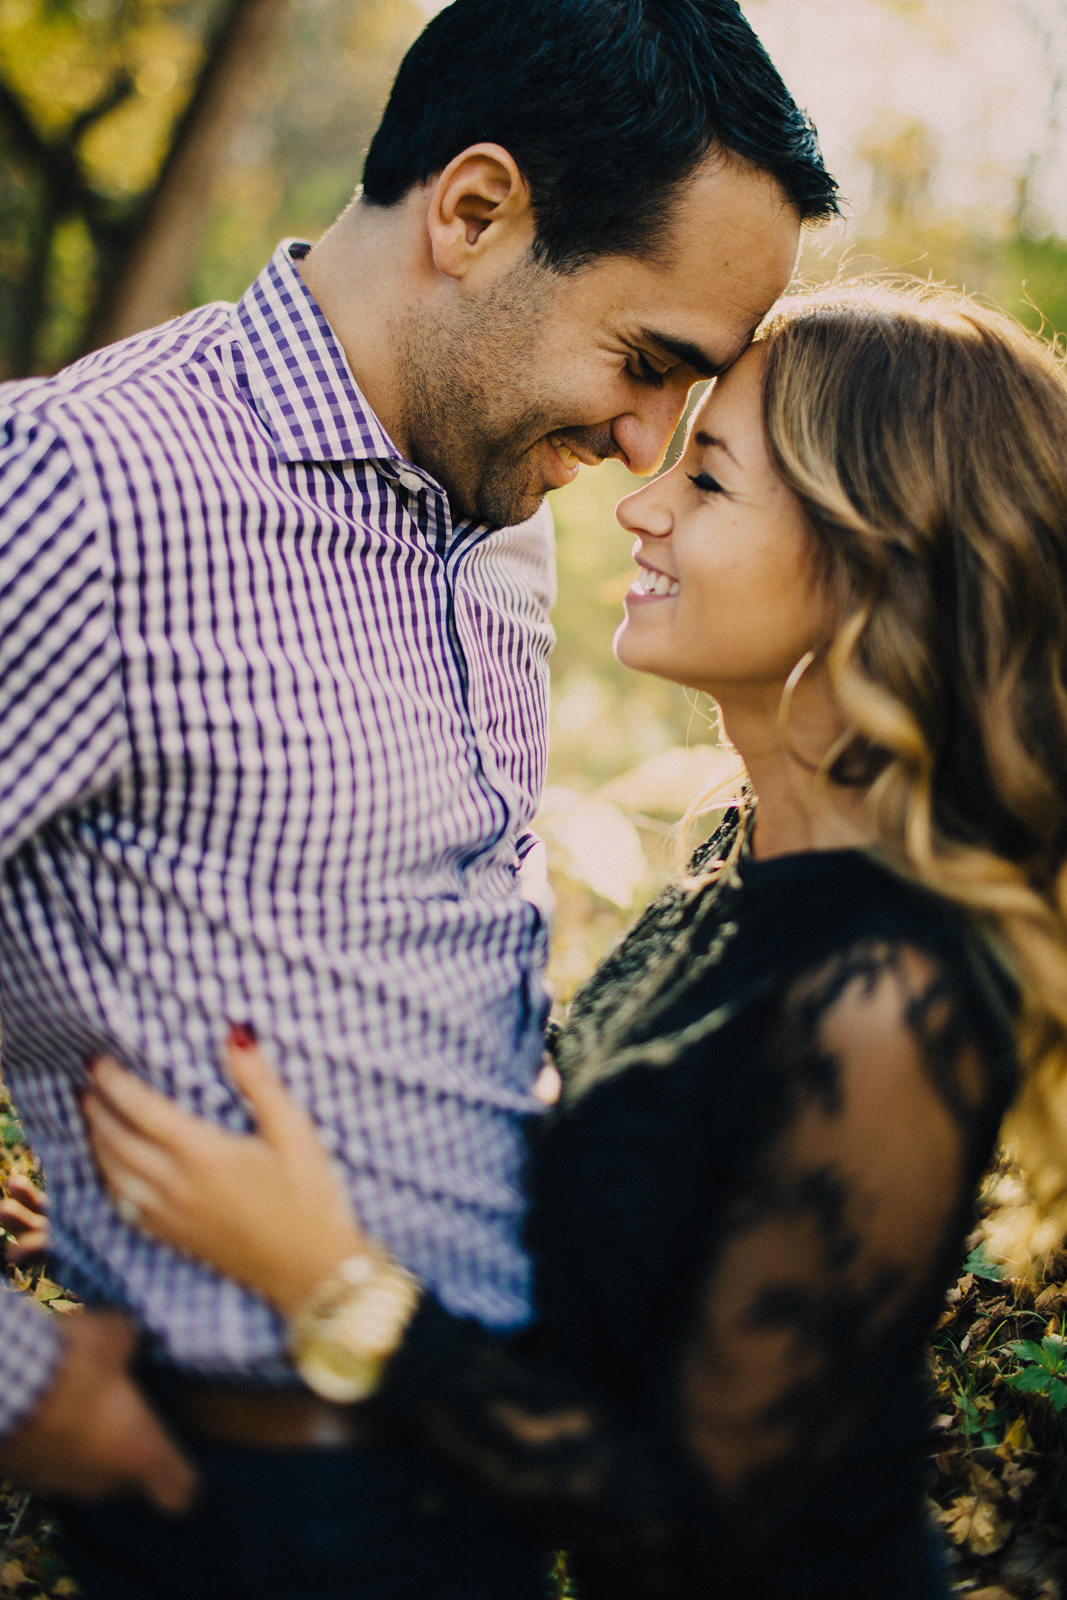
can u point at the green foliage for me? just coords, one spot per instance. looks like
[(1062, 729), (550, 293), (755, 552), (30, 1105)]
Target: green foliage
[(981, 1425), (1034, 272), (1043, 1372), (982, 1265), (90, 91)]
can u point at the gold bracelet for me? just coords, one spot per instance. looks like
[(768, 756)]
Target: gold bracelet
[(343, 1335)]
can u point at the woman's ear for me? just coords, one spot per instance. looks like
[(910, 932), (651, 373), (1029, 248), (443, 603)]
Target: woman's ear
[(479, 212)]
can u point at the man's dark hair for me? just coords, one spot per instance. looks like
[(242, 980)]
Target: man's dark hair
[(607, 106)]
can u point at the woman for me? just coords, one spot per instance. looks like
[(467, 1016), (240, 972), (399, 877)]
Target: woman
[(780, 1089)]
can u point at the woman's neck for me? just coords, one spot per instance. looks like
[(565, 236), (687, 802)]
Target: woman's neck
[(798, 809)]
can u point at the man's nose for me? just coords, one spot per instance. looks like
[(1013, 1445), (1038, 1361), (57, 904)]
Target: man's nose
[(645, 433)]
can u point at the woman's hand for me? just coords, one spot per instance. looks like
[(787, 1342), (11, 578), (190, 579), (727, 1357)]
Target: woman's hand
[(267, 1209), (24, 1218)]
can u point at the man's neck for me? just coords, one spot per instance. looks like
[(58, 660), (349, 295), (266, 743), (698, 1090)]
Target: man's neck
[(356, 274)]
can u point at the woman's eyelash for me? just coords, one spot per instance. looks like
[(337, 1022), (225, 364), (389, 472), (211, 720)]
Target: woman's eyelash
[(705, 483)]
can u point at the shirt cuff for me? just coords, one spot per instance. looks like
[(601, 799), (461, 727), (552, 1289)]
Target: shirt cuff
[(31, 1351)]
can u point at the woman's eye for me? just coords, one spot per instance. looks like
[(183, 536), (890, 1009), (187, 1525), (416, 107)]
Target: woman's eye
[(705, 483)]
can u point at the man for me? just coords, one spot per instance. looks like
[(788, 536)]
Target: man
[(274, 592)]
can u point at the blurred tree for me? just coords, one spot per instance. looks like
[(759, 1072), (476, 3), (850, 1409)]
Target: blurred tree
[(153, 152), (113, 117), (299, 153)]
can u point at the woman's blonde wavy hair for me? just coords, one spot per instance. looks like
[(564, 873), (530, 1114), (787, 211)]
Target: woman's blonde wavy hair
[(926, 438)]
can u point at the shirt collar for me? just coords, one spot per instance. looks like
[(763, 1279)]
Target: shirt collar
[(302, 385)]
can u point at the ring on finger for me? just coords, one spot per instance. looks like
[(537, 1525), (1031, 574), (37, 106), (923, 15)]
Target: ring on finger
[(131, 1199)]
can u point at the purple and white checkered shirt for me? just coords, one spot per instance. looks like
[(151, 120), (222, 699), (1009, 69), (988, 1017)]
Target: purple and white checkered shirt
[(272, 731)]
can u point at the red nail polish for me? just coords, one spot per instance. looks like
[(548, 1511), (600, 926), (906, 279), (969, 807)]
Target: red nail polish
[(242, 1035)]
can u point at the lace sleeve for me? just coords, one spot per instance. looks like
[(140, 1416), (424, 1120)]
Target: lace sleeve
[(820, 1283), (832, 1259)]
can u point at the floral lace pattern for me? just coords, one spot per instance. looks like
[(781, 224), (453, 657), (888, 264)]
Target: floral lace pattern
[(745, 1210)]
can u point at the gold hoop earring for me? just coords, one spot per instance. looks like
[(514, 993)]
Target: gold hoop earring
[(785, 706), (823, 768)]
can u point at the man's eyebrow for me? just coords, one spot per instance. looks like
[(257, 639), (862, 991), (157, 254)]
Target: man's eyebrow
[(711, 441), (687, 354)]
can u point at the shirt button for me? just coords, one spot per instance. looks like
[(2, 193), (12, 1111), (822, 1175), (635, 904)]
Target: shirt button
[(410, 481)]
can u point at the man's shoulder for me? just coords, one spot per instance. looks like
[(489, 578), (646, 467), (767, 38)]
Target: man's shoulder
[(106, 379)]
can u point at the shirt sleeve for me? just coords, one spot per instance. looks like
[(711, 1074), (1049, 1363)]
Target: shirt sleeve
[(31, 1349), (63, 733), (821, 1281)]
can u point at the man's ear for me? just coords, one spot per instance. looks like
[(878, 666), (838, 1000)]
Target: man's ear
[(479, 209)]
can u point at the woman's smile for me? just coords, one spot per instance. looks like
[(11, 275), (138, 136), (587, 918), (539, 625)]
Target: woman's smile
[(651, 584)]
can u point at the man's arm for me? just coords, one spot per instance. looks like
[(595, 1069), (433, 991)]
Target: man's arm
[(90, 1433), (71, 1420), (62, 723)]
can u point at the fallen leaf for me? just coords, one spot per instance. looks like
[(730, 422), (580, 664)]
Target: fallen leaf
[(995, 1593), (1016, 1438), (12, 1575), (987, 1483), (975, 1522), (1017, 1479), (978, 1332), (1052, 1302)]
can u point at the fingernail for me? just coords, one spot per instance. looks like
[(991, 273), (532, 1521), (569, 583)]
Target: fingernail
[(242, 1035)]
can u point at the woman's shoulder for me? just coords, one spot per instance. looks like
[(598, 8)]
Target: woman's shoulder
[(845, 894), (848, 911)]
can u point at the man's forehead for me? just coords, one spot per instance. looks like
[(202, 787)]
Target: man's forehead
[(734, 241), (703, 305)]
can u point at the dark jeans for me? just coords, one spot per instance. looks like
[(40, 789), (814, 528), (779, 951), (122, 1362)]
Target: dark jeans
[(375, 1523)]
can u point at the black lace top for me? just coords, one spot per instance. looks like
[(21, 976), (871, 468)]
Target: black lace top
[(780, 1091)]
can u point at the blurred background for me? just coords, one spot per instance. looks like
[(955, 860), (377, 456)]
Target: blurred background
[(153, 152)]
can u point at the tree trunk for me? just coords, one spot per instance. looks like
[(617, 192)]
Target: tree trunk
[(152, 276)]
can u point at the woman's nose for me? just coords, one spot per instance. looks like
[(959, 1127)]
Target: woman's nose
[(646, 512)]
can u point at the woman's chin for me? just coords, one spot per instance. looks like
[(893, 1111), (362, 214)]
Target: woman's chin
[(625, 648), (639, 654)]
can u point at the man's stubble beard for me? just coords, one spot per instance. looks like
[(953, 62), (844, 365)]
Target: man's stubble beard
[(470, 410)]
